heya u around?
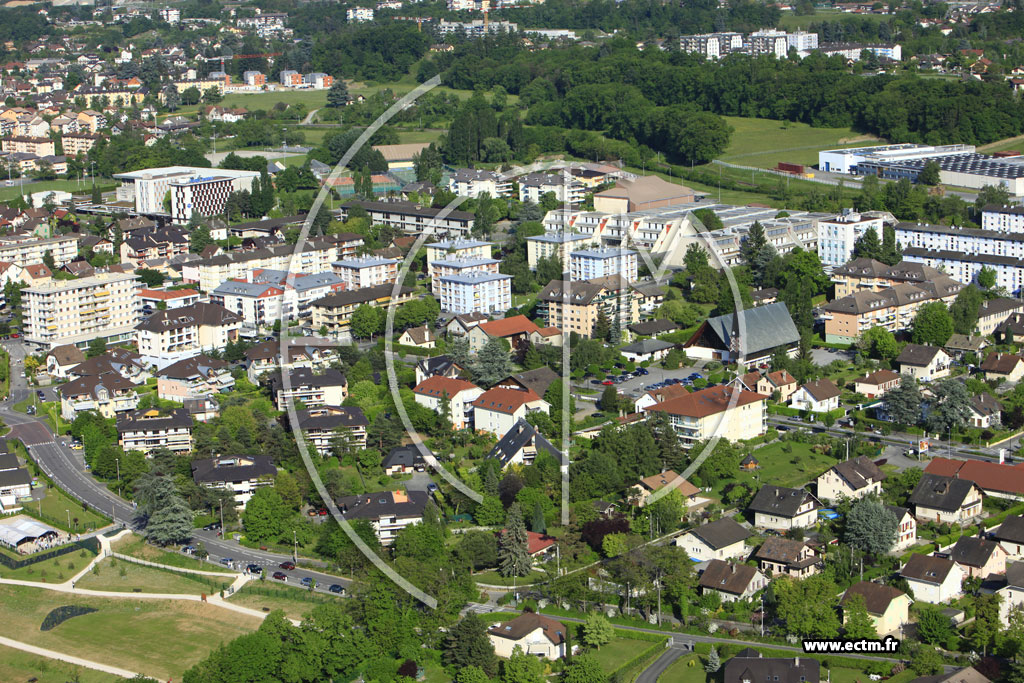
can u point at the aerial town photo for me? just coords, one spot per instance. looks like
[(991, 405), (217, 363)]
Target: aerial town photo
[(512, 341)]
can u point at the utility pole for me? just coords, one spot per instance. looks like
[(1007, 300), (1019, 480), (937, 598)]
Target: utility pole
[(295, 547), (762, 615), (117, 461), (222, 518)]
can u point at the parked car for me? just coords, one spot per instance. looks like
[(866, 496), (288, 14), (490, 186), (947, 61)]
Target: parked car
[(642, 371), (280, 576), (607, 382), (337, 588), (431, 486), (212, 526), (188, 549), (288, 566)]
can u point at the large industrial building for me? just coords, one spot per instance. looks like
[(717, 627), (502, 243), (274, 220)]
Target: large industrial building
[(847, 160)]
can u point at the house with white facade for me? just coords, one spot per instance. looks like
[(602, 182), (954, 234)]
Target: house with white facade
[(240, 474), (534, 634), (933, 579), (174, 334), (387, 511), (433, 391), (852, 479), (731, 581), (723, 539), (497, 410), (782, 509), (819, 396)]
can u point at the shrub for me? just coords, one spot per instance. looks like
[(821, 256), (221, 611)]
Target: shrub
[(59, 615)]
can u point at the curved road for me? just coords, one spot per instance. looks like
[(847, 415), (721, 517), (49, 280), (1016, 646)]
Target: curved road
[(66, 468)]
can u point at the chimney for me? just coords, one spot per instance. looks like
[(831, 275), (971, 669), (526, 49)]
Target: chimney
[(796, 661)]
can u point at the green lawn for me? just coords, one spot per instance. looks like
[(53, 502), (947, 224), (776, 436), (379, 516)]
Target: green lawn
[(58, 506), (681, 671), (841, 675), (790, 21), (112, 574), (270, 595), (73, 186), (16, 665), (57, 570), (159, 638), (313, 99), (777, 467), (1014, 143), (612, 655), (410, 136), (493, 578), (136, 546), (765, 142)]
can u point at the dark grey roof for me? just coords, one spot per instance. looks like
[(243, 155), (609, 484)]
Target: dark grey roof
[(783, 550), (18, 477), (112, 360), (967, 675), (538, 380), (727, 577), (877, 596), (859, 472), (646, 346), (651, 328), (927, 568), (721, 533), (361, 296), (972, 551), (197, 314), (438, 365), (1015, 574), (518, 437), (91, 384), (384, 504), (760, 329), (1012, 529), (779, 500), (8, 461), (332, 418), (919, 355), (140, 420), (306, 377), (231, 469), (196, 366), (405, 456), (940, 493)]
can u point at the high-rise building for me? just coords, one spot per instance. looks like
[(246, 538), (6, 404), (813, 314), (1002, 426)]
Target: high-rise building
[(61, 312)]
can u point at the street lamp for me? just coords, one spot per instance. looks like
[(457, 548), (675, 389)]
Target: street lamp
[(117, 461), (69, 518), (295, 548)]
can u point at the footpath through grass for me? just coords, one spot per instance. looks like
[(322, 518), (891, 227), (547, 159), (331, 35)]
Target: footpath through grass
[(113, 574), (56, 570), (159, 638), (16, 665), (268, 596), (136, 546)]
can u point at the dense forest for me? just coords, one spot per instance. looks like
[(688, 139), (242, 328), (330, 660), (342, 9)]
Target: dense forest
[(817, 90)]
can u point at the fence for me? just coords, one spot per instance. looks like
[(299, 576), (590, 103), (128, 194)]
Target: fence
[(91, 544), (184, 573), (305, 595)]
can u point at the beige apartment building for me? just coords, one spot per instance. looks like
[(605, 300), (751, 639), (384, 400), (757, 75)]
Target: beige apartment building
[(577, 306), (724, 411), (78, 311), (334, 311), (78, 143), (25, 250), (41, 147)]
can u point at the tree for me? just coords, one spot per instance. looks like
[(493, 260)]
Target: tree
[(986, 278), (992, 194), (755, 241), (986, 621), (489, 512), (538, 525), (879, 343), (926, 660), (97, 347), (472, 674), (199, 239), (868, 245), (583, 669), (493, 362), (467, 644), (929, 175), (951, 407), (150, 277), (714, 661), (964, 310), (610, 399), (337, 95), (903, 402), (934, 627), (602, 326), (265, 515), (513, 546), (807, 607), (365, 322), (597, 631), (871, 527), (857, 623), (171, 522), (932, 324), (522, 668)]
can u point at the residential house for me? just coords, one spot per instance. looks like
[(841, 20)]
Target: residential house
[(979, 557), (402, 459), (876, 384), (330, 388), (652, 328), (149, 429), (240, 474), (782, 509), (1010, 535), (852, 479), (15, 482), (580, 306), (538, 381), (521, 444), (534, 634), (460, 325), (302, 352), (723, 411), (387, 511), (933, 579), (1012, 594), (780, 381), (778, 556), (994, 311), (1005, 366), (170, 335), (61, 359), (433, 391), (421, 337), (986, 411), (819, 396), (646, 350), (648, 486), (321, 426), (516, 330), (722, 539), (888, 607), (764, 329), (750, 667), (959, 345), (731, 581), (107, 394), (656, 396), (115, 360), (497, 410), (438, 365), (906, 530), (1001, 480), (945, 500), (197, 377), (923, 363)]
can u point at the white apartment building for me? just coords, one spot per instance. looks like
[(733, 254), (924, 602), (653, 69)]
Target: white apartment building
[(456, 249), (837, 236), (460, 266), (77, 311), (330, 388), (148, 187), (712, 45), (803, 41), (1003, 218), (265, 296), (557, 243), (587, 264), (147, 430), (240, 474), (768, 42), (475, 292), (968, 240), (366, 271), (965, 267), (359, 14), (152, 299), (471, 182), (26, 249), (533, 186), (172, 335)]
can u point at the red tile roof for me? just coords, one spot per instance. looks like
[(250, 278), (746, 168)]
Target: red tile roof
[(438, 385), (506, 327), (656, 482), (705, 402), (506, 401), (989, 476)]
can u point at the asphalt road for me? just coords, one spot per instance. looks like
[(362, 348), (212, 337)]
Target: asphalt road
[(66, 467)]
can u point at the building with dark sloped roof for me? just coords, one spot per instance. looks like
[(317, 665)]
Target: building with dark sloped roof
[(722, 539), (241, 474), (781, 508), (750, 667), (979, 557), (755, 335), (945, 500), (388, 511), (321, 426), (150, 429), (521, 444), (731, 581)]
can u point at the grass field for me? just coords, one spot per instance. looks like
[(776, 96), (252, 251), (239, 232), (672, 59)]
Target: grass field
[(313, 99), (765, 142), (619, 650), (112, 574), (136, 546), (295, 602), (790, 21), (1014, 143), (57, 505), (493, 578), (778, 467), (73, 186), (57, 570), (159, 638), (681, 672), (16, 665)]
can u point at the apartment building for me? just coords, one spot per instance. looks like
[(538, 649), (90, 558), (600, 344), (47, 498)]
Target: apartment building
[(240, 474), (322, 425), (559, 244), (577, 306), (203, 195), (1006, 219), (316, 256), (712, 45), (837, 236), (965, 266), (103, 306), (301, 352), (725, 411), (433, 391), (329, 388), (107, 394), (447, 250), (387, 511), (147, 188), (768, 42), (588, 264), (334, 312), (868, 275), (266, 296), (23, 144), (254, 79), (158, 243), (148, 430), (893, 308), (475, 292), (359, 272), (533, 187), (172, 335), (78, 143), (156, 299), (459, 266), (414, 219), (290, 79), (25, 249), (471, 182), (196, 377)]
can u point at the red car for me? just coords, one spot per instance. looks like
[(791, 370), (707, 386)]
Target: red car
[(288, 566), (280, 576), (15, 335), (607, 383)]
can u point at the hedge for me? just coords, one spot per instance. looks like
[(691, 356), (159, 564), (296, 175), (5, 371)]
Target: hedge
[(998, 519), (919, 550), (59, 615), (403, 350), (89, 543), (639, 659)]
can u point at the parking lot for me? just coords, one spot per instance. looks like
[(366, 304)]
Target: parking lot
[(635, 386)]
